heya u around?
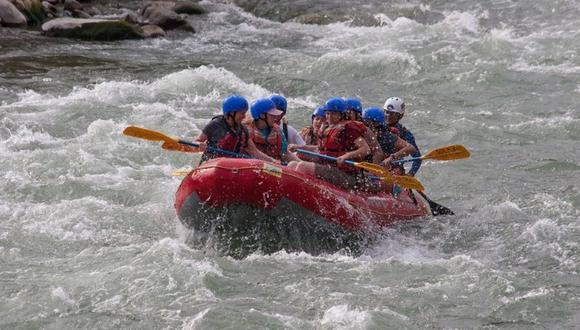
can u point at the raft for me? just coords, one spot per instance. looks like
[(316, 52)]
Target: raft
[(263, 202)]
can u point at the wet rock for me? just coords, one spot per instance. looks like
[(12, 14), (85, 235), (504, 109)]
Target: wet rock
[(72, 5), (152, 31), (188, 8), (157, 13), (91, 29), (130, 16), (10, 15), (80, 14), (50, 9), (32, 9), (91, 10)]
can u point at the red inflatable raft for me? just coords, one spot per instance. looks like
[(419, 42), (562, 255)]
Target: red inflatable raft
[(243, 194)]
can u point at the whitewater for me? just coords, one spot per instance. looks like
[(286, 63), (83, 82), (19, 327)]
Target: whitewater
[(89, 237)]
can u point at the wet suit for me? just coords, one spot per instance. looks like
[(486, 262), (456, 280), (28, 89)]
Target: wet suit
[(406, 135)]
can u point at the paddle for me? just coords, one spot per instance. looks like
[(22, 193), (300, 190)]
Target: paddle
[(451, 152), (436, 209), (385, 175), (171, 143)]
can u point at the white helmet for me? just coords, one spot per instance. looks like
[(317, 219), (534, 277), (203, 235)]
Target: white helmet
[(395, 104)]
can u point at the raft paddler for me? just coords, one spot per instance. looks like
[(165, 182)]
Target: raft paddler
[(354, 112), (395, 110), (290, 132), (227, 132), (310, 133), (265, 133), (354, 109), (392, 147), (342, 139)]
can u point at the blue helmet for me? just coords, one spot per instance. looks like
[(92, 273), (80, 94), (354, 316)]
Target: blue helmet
[(354, 105), (280, 102), (335, 104), (319, 112), (261, 106), (374, 114), (234, 103)]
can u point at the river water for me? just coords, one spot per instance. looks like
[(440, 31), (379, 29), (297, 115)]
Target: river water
[(89, 237)]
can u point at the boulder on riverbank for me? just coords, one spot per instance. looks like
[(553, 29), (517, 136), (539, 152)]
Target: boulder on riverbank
[(92, 29), (10, 15), (95, 21)]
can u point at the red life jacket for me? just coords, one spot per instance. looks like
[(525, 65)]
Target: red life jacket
[(307, 134), (339, 139), (234, 141), (272, 145), (225, 138)]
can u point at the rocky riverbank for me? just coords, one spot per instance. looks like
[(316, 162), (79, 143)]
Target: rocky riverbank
[(93, 20)]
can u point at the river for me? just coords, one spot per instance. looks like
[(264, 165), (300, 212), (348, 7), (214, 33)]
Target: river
[(88, 233)]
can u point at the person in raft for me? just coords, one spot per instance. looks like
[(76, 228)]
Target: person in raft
[(354, 109), (226, 132), (392, 147), (290, 132), (354, 112), (342, 139), (265, 133), (310, 133), (395, 110)]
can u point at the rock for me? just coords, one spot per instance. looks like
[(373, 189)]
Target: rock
[(130, 16), (81, 14), (187, 27), (158, 14), (50, 9), (72, 5), (91, 29), (188, 8), (10, 16), (35, 13), (91, 10), (152, 31)]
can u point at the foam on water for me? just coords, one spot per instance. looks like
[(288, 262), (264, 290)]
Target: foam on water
[(342, 317)]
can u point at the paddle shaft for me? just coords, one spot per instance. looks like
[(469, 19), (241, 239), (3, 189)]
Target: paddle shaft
[(314, 154), (221, 151), (401, 161)]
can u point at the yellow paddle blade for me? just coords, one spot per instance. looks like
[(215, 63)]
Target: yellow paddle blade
[(373, 168), (147, 134), (182, 171), (404, 181), (452, 152), (179, 147)]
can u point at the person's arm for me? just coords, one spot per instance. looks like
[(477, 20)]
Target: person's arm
[(287, 156), (402, 149), (309, 147), (290, 156), (416, 163), (294, 137), (362, 150), (252, 150), (372, 141)]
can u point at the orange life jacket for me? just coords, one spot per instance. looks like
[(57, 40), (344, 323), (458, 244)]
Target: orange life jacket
[(272, 145)]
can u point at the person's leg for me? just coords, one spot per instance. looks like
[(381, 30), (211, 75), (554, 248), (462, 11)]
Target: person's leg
[(335, 176)]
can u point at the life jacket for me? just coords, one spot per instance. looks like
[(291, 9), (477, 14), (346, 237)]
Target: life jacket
[(337, 140), (272, 145), (234, 141), (308, 135)]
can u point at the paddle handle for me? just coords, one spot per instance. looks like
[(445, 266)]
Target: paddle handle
[(221, 151), (314, 154)]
